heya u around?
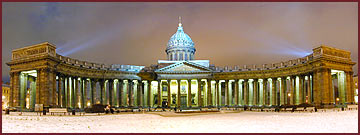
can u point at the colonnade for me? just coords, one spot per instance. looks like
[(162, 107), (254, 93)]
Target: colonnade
[(77, 92), (320, 87)]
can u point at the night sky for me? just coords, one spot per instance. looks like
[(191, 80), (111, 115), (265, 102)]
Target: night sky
[(137, 33)]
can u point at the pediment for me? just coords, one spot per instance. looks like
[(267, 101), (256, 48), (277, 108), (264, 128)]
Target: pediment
[(184, 67)]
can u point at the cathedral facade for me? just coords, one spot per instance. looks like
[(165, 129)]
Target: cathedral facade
[(38, 75)]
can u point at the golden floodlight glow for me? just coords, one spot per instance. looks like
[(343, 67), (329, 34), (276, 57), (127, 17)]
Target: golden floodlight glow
[(289, 94)]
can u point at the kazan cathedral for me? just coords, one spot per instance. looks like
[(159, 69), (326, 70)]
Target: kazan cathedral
[(41, 76)]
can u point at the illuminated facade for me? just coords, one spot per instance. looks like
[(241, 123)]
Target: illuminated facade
[(323, 78)]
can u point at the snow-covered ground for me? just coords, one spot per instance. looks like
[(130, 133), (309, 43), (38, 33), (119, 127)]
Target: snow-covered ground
[(243, 122)]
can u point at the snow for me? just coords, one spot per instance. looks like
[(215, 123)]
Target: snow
[(165, 122)]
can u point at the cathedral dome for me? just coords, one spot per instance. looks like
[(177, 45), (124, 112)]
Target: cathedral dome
[(180, 47), (180, 39)]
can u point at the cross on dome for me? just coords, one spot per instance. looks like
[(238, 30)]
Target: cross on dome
[(180, 21)]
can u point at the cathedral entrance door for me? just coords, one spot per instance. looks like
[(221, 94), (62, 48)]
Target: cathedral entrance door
[(183, 101)]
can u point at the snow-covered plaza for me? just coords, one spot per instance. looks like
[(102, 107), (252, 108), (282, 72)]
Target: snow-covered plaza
[(165, 122)]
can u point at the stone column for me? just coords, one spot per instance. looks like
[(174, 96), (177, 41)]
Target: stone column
[(85, 91), (63, 92), (32, 92), (23, 89), (59, 90), (159, 93), (241, 92), (264, 92), (301, 89), (226, 92), (169, 92), (130, 90), (255, 88), (283, 91), (93, 91), (189, 93), (246, 92), (76, 92), (72, 88), (273, 90), (68, 90), (209, 92), (75, 86), (293, 90), (102, 91), (236, 91), (120, 95), (137, 91), (217, 92), (309, 90), (82, 99), (199, 93), (149, 93), (251, 91), (178, 93), (111, 91), (140, 94)]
